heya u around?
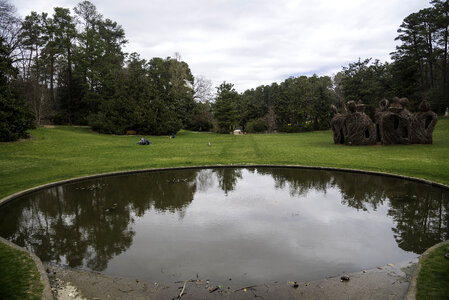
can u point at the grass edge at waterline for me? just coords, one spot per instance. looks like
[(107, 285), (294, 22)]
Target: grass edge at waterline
[(54, 154)]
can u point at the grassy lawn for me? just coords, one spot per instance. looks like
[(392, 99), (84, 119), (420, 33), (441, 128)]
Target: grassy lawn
[(54, 154), (67, 152), (433, 277), (19, 277)]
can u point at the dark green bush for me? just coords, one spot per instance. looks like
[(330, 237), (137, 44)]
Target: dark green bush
[(16, 117), (199, 122), (115, 116), (254, 126)]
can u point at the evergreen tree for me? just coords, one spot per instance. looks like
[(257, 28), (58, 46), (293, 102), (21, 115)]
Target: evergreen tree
[(225, 108), (253, 105), (302, 103), (148, 97), (369, 82), (64, 35), (202, 118), (16, 116), (419, 66), (33, 83)]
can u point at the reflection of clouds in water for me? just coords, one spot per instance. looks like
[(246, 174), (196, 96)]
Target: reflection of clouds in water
[(205, 180), (265, 241), (228, 178), (266, 222), (280, 218)]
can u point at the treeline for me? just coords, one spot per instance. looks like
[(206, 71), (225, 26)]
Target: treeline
[(419, 67), (418, 70), (70, 68), (297, 104)]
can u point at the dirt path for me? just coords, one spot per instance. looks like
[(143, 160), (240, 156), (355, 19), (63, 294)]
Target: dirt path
[(385, 282)]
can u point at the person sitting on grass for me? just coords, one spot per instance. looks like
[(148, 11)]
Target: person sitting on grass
[(143, 142)]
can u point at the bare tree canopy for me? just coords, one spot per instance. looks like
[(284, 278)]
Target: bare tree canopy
[(10, 27), (203, 89)]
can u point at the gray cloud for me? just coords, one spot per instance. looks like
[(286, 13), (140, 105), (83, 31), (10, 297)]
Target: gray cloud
[(250, 43)]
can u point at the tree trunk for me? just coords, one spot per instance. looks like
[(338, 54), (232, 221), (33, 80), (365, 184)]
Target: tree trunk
[(445, 56), (430, 49), (445, 86), (52, 71), (69, 71), (415, 46)]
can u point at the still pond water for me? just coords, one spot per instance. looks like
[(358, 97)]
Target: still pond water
[(251, 225)]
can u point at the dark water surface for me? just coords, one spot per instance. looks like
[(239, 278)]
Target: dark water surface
[(249, 224)]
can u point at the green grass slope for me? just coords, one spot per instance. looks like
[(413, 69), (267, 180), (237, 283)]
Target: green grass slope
[(19, 277), (432, 280), (65, 152)]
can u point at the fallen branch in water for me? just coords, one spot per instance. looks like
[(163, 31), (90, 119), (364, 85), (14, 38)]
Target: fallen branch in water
[(183, 288), (246, 287)]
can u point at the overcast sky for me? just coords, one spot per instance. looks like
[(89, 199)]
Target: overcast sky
[(253, 42)]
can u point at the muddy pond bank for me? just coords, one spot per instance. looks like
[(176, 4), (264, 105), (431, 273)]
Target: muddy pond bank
[(384, 282)]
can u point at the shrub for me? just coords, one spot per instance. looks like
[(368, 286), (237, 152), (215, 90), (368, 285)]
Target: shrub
[(16, 117), (199, 122), (257, 125)]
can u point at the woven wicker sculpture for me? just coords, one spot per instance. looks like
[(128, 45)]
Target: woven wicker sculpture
[(393, 124)]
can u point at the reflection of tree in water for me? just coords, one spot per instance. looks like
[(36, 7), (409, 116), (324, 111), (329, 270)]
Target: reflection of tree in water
[(205, 180), (357, 190), (419, 211), (300, 181), (227, 178), (423, 222), (88, 223), (166, 191), (60, 226), (361, 191)]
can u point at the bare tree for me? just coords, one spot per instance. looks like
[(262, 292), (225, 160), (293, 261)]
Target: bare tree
[(10, 28), (338, 89), (270, 119), (203, 90)]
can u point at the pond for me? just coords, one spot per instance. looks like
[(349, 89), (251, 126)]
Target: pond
[(248, 225)]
